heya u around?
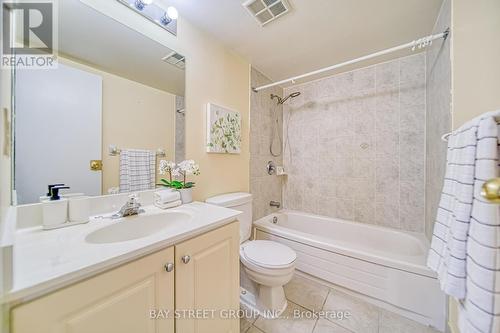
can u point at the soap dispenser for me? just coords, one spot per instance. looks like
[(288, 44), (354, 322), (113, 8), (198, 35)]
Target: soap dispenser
[(55, 210), (49, 192)]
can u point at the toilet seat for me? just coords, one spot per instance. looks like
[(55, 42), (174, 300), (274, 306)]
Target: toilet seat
[(268, 254)]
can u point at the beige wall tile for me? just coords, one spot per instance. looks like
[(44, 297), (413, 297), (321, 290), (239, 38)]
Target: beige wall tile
[(360, 133), (345, 209), (364, 210), (412, 68), (387, 74), (327, 206), (263, 115), (387, 212)]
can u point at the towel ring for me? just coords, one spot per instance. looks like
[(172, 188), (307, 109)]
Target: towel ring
[(445, 137)]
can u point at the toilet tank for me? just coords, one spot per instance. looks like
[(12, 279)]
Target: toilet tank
[(239, 201)]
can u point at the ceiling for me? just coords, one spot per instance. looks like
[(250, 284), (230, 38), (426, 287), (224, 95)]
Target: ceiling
[(115, 48), (315, 34)]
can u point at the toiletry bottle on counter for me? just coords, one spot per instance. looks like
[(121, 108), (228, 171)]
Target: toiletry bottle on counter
[(55, 210), (46, 197)]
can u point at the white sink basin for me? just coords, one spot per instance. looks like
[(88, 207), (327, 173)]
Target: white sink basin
[(135, 227)]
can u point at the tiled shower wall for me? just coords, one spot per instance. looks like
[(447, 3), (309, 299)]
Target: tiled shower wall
[(356, 145), (263, 115), (438, 115)]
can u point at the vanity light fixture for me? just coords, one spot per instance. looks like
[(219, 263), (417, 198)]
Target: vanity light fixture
[(140, 4), (170, 14), (167, 19)]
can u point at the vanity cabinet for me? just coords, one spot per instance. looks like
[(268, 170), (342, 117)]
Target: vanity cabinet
[(207, 277), (204, 275), (115, 301)]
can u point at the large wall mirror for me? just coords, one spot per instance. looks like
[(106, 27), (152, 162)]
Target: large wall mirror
[(116, 97)]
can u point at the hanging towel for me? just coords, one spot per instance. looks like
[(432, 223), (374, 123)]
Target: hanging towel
[(465, 248), (137, 170)]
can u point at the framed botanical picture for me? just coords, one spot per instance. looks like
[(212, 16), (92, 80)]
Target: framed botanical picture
[(223, 130)]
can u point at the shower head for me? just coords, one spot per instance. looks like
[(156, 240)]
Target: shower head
[(283, 100)]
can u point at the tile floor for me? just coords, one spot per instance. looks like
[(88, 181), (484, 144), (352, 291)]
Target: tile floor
[(305, 295)]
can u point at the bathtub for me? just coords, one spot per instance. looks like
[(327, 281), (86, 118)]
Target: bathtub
[(384, 265)]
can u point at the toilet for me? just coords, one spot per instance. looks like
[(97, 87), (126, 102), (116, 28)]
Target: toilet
[(270, 265)]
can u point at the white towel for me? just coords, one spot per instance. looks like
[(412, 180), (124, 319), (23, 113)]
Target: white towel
[(166, 196), (465, 249), (168, 205), (137, 170)]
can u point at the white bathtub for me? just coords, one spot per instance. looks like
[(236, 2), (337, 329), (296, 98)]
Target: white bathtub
[(384, 264)]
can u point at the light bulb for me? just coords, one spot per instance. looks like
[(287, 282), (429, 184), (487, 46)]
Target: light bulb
[(172, 13), (140, 4)]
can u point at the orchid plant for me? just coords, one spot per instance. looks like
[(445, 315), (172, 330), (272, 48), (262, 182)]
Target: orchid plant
[(181, 170)]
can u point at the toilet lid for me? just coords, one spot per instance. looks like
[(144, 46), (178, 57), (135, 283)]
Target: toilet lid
[(268, 253)]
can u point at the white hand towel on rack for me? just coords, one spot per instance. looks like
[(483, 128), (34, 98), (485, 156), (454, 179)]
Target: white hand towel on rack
[(166, 196), (137, 170), (465, 249)]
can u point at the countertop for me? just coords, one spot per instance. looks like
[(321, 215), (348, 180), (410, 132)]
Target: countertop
[(45, 261)]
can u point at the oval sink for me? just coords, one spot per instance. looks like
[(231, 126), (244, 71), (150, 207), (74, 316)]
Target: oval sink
[(135, 227)]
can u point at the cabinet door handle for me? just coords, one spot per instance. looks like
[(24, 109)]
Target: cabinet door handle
[(186, 259), (169, 267)]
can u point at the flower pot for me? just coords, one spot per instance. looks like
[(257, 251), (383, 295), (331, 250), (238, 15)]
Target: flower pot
[(186, 195)]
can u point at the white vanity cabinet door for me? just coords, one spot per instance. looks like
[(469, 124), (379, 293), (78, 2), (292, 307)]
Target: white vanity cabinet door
[(207, 278), (116, 301)]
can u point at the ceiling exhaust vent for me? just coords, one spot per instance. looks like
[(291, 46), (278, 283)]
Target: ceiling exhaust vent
[(265, 11), (175, 59)]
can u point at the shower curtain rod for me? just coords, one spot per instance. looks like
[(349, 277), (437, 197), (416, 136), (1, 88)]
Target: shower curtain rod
[(421, 42)]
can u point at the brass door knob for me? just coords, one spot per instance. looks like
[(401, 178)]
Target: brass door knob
[(96, 165), (491, 190)]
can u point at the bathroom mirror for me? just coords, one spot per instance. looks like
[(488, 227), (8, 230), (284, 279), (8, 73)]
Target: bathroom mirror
[(114, 93)]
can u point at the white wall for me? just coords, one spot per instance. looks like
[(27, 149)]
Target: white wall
[(475, 71), (5, 173), (475, 58)]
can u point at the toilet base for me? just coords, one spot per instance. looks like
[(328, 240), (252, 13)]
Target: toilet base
[(253, 303)]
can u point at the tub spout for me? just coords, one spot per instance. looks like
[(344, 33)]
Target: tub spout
[(275, 204)]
